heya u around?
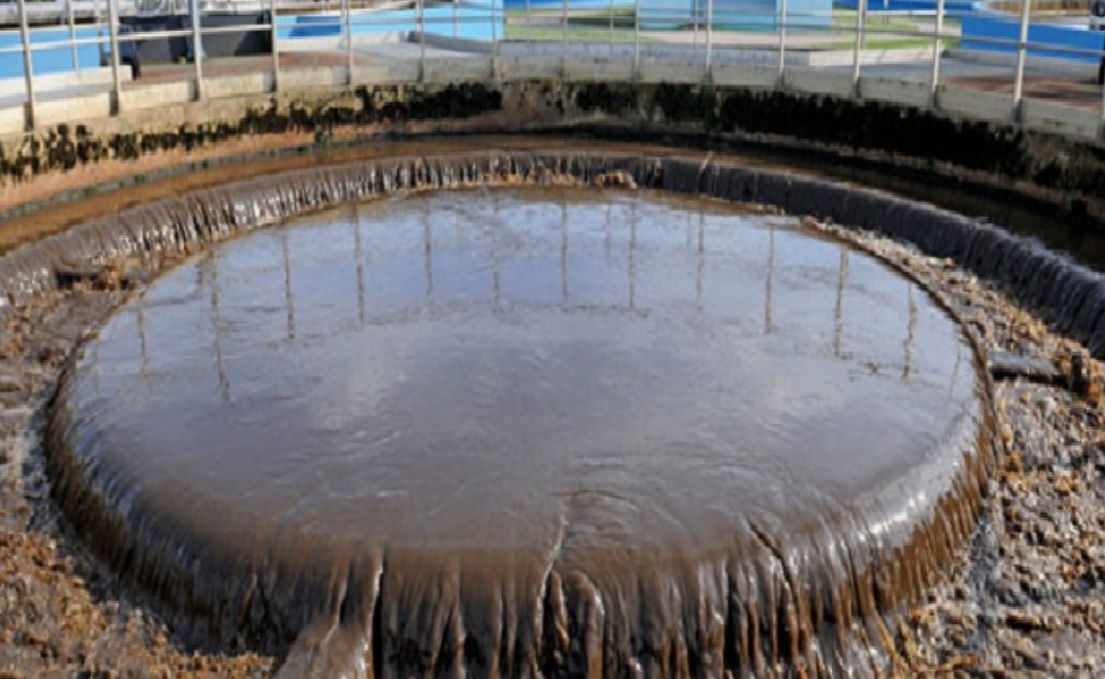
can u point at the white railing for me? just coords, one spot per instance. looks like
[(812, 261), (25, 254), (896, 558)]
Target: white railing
[(706, 35)]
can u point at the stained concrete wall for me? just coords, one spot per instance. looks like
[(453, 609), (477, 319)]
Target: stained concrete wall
[(650, 69), (810, 114), (1051, 157)]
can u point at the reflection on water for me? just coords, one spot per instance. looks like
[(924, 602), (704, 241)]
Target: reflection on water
[(490, 328), (521, 395)]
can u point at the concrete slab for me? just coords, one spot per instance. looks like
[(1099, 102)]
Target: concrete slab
[(659, 72), (317, 76), (58, 81), (530, 68), (237, 85), (867, 57), (895, 90), (82, 107), (995, 107), (745, 76), (598, 70), (159, 94), (458, 70), (370, 74), (819, 82), (13, 119), (1046, 116)]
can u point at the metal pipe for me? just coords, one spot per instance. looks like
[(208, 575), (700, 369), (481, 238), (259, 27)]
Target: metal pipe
[(612, 27), (494, 41), (113, 33), (197, 47), (1022, 54), (709, 36), (861, 24), (637, 39), (937, 46), (564, 39), (783, 40), (694, 27), (28, 72), (1101, 71), (421, 40), (456, 17), (275, 48), (347, 15), (73, 36)]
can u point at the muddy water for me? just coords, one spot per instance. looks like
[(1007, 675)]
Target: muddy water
[(511, 433)]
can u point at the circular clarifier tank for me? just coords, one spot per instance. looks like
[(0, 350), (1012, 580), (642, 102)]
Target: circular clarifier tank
[(528, 433)]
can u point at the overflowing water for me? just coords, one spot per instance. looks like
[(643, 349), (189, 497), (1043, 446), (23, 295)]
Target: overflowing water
[(523, 433)]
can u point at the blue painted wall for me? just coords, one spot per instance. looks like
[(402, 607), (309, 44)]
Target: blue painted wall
[(950, 6), (49, 60), (472, 21), (549, 5), (1001, 27), (756, 15)]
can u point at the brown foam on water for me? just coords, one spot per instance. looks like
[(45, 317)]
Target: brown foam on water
[(828, 433)]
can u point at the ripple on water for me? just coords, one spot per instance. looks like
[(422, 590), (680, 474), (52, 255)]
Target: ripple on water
[(521, 430)]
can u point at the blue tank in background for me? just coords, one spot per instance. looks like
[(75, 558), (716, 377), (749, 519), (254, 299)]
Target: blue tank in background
[(1051, 40), (573, 5), (950, 6), (736, 15), (49, 60), (470, 20)]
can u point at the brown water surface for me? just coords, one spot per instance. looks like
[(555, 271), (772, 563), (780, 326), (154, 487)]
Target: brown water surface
[(508, 430)]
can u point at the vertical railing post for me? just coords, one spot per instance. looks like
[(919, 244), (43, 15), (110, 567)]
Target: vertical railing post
[(73, 36), (28, 69), (637, 39), (347, 29), (456, 18), (98, 24), (861, 23), (197, 48), (1022, 55), (564, 38), (709, 36), (274, 39), (421, 41), (1101, 68), (495, 39), (695, 21), (937, 47), (612, 27), (782, 42), (113, 34)]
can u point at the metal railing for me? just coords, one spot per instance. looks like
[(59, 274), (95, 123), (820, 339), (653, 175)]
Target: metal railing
[(703, 35)]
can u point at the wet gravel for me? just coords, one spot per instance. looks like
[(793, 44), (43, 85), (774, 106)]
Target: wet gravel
[(1027, 599)]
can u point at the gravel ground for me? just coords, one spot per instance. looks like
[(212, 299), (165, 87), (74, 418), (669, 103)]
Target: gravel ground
[(1028, 598)]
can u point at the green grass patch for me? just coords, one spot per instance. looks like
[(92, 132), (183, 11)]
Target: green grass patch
[(887, 44), (516, 32), (846, 19), (623, 16)]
